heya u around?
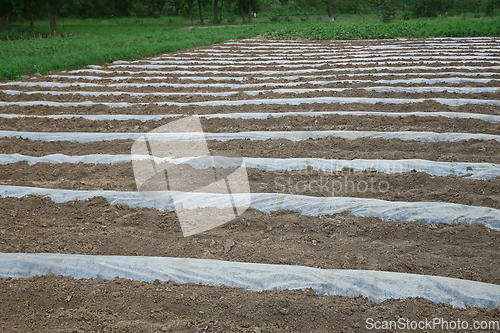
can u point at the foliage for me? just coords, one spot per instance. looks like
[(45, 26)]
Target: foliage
[(387, 10), (492, 7), (427, 8), (232, 19), (274, 18), (406, 15)]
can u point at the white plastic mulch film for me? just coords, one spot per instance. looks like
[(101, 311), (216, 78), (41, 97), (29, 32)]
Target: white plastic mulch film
[(245, 71), (377, 286), (84, 137), (425, 212), (461, 169)]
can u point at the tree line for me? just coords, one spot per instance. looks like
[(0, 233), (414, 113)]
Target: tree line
[(51, 9)]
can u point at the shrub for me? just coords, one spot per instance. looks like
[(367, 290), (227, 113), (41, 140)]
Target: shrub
[(274, 18)]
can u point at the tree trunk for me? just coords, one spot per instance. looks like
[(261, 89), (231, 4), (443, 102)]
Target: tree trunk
[(4, 20), (52, 19), (161, 5), (221, 5), (153, 14), (250, 11), (242, 12), (32, 16), (113, 7), (330, 10), (215, 11), (201, 13), (190, 11), (98, 7), (52, 23)]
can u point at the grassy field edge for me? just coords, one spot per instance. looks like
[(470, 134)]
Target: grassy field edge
[(100, 44)]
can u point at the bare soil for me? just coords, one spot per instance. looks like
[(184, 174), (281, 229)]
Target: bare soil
[(64, 304), (35, 224), (287, 123), (408, 186), (328, 148), (195, 109)]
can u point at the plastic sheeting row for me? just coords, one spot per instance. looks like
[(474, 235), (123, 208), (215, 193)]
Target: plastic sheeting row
[(270, 101), (457, 90), (332, 60), (451, 80), (461, 169), (263, 115), (292, 50), (377, 286), (256, 135), (477, 69), (324, 63), (331, 52), (425, 212), (287, 77), (392, 40), (303, 49), (325, 55)]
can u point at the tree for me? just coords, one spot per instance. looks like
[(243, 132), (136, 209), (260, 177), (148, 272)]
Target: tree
[(240, 2), (30, 6), (215, 3), (190, 8), (157, 5), (491, 6), (220, 14), (51, 8), (387, 9), (426, 8), (62, 8), (329, 8), (6, 8), (250, 11), (201, 12), (251, 5)]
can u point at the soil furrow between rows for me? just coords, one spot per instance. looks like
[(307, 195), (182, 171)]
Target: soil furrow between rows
[(287, 123), (194, 109), (258, 94), (408, 186), (329, 148)]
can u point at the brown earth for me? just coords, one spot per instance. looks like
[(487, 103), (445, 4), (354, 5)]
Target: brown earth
[(243, 96), (63, 304), (194, 109), (287, 123), (36, 224), (328, 148), (408, 186)]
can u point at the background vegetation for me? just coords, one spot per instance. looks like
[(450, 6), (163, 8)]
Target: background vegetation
[(38, 36), (217, 11)]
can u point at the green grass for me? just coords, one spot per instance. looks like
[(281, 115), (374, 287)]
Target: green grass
[(101, 43), (95, 41)]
